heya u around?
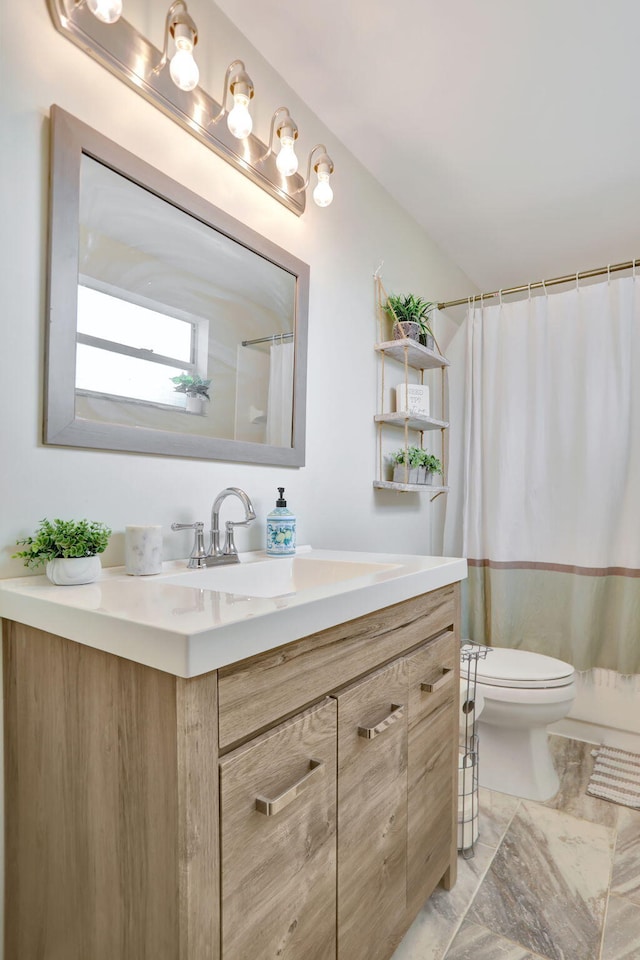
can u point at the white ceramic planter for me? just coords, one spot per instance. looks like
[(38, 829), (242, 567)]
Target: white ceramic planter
[(402, 474), (66, 571), (195, 404)]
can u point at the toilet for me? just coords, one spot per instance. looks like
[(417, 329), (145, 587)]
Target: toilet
[(523, 693)]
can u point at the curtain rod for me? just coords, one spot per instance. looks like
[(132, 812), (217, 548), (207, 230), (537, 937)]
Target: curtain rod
[(525, 287), (270, 339)]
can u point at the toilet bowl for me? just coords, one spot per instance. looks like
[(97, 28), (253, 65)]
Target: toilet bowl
[(523, 693)]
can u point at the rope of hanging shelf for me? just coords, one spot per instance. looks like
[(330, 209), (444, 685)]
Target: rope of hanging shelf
[(541, 284)]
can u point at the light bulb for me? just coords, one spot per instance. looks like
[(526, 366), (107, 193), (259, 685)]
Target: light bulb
[(323, 194), (286, 161), (239, 120), (106, 10), (183, 69)]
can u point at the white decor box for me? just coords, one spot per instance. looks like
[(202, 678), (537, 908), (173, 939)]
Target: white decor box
[(413, 398)]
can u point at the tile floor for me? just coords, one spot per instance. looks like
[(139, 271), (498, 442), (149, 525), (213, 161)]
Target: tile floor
[(554, 881)]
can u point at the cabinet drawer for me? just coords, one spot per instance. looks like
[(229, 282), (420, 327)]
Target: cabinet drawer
[(372, 814), (256, 693), (434, 675), (278, 841)]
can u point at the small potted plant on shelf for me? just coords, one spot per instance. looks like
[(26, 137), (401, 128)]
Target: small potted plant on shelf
[(431, 465), (412, 318), (69, 548), (407, 465), (414, 465), (195, 388)]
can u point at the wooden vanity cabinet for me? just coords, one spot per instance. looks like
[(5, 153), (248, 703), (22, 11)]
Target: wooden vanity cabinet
[(278, 841), (300, 804), (432, 768), (372, 814)]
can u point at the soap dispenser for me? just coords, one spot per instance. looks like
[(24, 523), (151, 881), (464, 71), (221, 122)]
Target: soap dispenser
[(281, 529)]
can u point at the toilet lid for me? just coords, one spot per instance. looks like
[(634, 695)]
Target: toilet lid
[(522, 668)]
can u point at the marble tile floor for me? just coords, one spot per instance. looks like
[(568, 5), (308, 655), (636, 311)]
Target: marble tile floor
[(554, 881)]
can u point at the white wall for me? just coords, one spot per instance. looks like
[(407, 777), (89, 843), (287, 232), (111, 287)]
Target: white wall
[(333, 495)]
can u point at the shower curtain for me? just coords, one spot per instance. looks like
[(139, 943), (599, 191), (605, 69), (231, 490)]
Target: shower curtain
[(280, 402), (545, 465)]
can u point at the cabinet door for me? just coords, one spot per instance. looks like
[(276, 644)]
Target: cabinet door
[(372, 808), (432, 768), (278, 826)]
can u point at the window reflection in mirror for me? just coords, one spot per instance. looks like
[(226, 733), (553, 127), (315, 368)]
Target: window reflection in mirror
[(172, 328)]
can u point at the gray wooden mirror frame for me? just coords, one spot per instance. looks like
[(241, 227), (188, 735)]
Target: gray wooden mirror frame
[(70, 139)]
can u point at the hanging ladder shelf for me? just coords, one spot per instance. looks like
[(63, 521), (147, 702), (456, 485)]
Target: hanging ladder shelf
[(412, 421), (417, 356), (409, 487), (416, 359)]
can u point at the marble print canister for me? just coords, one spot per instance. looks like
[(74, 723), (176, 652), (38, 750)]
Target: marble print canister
[(143, 550)]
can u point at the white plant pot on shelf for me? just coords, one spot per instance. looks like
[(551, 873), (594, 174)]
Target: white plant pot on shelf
[(195, 404), (66, 571), (404, 474)]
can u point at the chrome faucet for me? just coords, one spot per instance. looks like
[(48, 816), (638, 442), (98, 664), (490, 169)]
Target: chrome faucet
[(214, 555), (229, 552)]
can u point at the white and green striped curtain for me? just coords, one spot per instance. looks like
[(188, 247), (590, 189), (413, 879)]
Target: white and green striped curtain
[(545, 471)]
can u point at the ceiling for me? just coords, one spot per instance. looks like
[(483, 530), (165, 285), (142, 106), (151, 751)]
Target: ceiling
[(510, 129)]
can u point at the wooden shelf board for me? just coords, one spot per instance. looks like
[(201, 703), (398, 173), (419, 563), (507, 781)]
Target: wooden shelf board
[(413, 422), (418, 357), (409, 487)]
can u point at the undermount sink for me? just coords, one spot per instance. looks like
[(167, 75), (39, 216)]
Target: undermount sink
[(276, 578)]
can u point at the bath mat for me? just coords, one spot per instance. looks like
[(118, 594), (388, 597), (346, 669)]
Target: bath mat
[(616, 776)]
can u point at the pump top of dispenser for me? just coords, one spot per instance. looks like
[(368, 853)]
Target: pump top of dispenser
[(281, 502)]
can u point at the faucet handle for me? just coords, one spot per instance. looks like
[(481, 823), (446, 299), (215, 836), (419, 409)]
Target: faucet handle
[(198, 552), (230, 548)]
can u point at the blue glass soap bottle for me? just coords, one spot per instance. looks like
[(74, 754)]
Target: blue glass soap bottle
[(281, 529)]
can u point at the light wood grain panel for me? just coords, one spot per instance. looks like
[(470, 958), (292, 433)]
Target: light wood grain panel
[(432, 752), (278, 872), (449, 879), (426, 666), (199, 866), (258, 692), (91, 812), (372, 824)]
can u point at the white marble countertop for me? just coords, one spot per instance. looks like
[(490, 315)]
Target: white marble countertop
[(177, 621)]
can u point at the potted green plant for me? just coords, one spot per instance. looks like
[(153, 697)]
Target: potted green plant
[(196, 389), (432, 466), (412, 318), (407, 465), (69, 548), (414, 465)]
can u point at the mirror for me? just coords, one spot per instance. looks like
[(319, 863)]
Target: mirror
[(173, 328)]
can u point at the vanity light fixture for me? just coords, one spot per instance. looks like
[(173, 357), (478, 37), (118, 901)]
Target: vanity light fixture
[(108, 11), (323, 167), (238, 83), (287, 132), (123, 50), (183, 68), (322, 193)]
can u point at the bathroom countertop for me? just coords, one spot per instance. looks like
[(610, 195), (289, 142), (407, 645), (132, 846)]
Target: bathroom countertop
[(177, 621)]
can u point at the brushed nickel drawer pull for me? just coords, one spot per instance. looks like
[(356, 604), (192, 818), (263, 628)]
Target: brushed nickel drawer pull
[(447, 676), (271, 807), (370, 732)]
